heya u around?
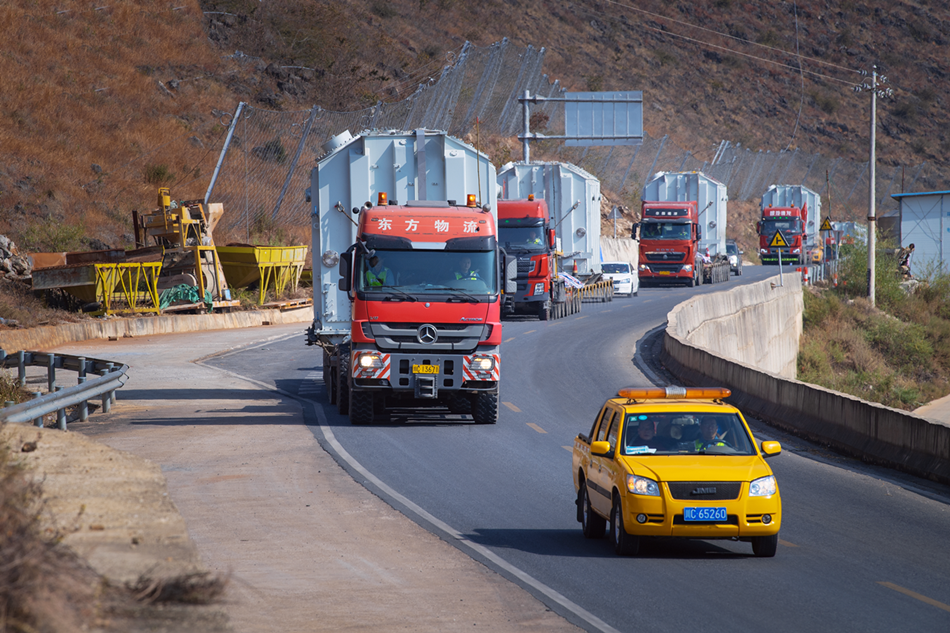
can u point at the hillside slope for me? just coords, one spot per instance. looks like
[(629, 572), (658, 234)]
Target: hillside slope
[(103, 105)]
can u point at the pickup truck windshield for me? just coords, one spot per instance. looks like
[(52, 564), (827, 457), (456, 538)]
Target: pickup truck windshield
[(522, 239), (664, 231), (404, 272), (788, 226), (685, 433)]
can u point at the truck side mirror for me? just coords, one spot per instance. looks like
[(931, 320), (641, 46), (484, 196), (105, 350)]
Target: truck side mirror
[(511, 274), (699, 232), (346, 271), (635, 231), (552, 238)]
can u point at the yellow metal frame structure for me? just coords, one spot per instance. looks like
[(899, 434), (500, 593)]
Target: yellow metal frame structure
[(120, 284), (277, 267)]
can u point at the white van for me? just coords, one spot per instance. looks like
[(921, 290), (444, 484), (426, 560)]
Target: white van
[(625, 278)]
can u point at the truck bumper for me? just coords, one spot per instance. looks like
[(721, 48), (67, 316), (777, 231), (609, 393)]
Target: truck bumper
[(402, 373)]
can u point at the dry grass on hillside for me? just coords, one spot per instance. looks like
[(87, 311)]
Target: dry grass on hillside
[(99, 108)]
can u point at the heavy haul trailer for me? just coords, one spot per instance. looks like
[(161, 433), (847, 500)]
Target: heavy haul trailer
[(795, 211), (408, 274), (683, 229), (562, 202)]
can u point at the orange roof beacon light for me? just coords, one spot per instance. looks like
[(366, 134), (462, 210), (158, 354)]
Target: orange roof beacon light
[(530, 197), (470, 200), (381, 201), (687, 393)]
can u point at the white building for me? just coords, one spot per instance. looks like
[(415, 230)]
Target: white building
[(925, 223)]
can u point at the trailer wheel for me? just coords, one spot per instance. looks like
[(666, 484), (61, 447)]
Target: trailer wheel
[(361, 407), (343, 378), (485, 408), (329, 378)]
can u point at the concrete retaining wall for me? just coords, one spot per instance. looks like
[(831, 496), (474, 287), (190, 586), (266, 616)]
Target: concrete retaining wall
[(620, 250), (870, 431), (43, 338)]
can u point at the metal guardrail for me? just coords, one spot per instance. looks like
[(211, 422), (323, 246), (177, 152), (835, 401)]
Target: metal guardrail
[(111, 376), (597, 292)]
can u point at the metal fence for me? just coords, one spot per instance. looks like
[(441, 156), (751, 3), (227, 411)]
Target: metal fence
[(265, 168)]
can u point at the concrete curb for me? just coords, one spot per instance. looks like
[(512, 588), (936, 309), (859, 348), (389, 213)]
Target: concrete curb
[(866, 430), (42, 338)]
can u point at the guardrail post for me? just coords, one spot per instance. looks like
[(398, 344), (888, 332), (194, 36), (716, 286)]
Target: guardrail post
[(38, 421), (51, 372), (112, 396), (82, 366), (61, 415), (21, 367), (84, 405)]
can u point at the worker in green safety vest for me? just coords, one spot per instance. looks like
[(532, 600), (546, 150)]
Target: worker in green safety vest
[(377, 274), (709, 434), (533, 239), (465, 269)]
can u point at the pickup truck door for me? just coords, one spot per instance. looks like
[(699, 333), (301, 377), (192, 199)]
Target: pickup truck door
[(601, 466)]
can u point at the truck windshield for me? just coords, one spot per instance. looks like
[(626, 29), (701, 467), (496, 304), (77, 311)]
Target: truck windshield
[(664, 231), (401, 272), (521, 239), (676, 433), (788, 226)]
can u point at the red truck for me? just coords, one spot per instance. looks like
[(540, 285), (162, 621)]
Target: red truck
[(524, 231), (795, 212), (682, 230)]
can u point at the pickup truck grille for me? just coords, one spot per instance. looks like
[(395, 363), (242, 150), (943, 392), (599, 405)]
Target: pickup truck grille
[(705, 490), (665, 257), (452, 337)]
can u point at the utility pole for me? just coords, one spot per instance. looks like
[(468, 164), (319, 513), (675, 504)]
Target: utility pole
[(875, 89)]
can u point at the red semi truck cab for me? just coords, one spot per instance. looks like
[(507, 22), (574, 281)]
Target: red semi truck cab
[(791, 222), (524, 231), (425, 282), (669, 243)]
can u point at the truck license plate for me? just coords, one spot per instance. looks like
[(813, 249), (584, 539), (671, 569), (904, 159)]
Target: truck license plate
[(664, 272), (425, 369)]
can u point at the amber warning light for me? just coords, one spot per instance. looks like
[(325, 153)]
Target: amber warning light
[(381, 201), (470, 200), (689, 393)]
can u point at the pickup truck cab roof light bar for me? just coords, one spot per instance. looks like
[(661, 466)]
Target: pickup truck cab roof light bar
[(675, 393)]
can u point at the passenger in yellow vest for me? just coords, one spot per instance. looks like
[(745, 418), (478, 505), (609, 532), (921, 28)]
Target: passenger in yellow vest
[(465, 269), (377, 274), (708, 429), (533, 238)]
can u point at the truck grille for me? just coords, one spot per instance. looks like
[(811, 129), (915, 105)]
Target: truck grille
[(525, 266), (705, 490), (665, 268), (665, 257), (452, 337)]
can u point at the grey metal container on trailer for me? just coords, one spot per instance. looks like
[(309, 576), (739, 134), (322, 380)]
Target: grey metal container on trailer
[(710, 196), (406, 166), (796, 196), (573, 198)]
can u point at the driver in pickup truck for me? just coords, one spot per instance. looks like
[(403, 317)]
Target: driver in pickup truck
[(646, 436), (709, 434)]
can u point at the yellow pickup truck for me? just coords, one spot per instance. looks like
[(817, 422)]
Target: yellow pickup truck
[(675, 462)]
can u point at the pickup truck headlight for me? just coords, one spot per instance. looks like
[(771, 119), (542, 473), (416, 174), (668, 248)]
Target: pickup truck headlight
[(642, 486), (763, 487)]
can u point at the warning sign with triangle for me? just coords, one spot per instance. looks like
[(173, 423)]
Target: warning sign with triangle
[(826, 225), (778, 241)]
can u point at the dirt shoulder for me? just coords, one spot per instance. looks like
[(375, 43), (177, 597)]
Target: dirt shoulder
[(307, 547)]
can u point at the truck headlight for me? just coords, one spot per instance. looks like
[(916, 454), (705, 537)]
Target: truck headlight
[(539, 288), (370, 360), (483, 363), (688, 268), (796, 251), (644, 267), (642, 486), (764, 251), (763, 487)]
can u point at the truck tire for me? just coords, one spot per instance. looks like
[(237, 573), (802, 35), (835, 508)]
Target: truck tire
[(593, 525), (343, 380), (460, 405), (624, 544), (329, 378), (485, 408), (544, 311), (361, 407)]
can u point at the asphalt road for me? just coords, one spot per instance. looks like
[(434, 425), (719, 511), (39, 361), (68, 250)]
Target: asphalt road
[(861, 549)]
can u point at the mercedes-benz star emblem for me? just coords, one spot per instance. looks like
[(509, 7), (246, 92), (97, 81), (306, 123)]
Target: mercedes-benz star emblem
[(427, 334)]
